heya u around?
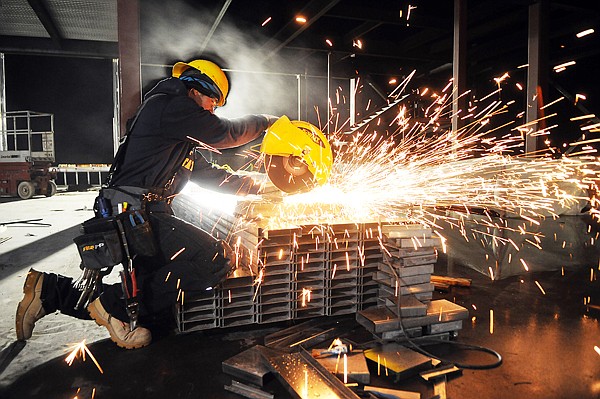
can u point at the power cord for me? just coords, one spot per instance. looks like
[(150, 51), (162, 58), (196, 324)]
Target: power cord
[(436, 342), (466, 347)]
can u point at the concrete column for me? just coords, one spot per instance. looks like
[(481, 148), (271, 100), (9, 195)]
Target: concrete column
[(129, 60)]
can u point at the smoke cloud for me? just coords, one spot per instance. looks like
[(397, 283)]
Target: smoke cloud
[(177, 32)]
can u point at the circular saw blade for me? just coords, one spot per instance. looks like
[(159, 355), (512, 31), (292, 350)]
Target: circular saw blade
[(289, 173)]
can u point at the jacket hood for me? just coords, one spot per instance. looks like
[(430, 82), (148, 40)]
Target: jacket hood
[(170, 85)]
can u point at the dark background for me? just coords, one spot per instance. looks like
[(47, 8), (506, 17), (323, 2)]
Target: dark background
[(78, 91)]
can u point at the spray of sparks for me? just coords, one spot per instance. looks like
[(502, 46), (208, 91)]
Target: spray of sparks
[(79, 350), (414, 171), (305, 296), (420, 171)]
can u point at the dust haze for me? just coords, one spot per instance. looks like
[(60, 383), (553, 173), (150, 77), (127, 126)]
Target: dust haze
[(258, 85)]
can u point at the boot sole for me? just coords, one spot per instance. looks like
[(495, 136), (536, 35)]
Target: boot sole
[(105, 323), (29, 292)]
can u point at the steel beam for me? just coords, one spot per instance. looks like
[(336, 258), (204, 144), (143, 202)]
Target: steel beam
[(215, 25), (40, 9), (315, 8), (69, 48)]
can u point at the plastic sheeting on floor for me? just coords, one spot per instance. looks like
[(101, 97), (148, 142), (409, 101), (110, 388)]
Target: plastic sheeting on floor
[(569, 242)]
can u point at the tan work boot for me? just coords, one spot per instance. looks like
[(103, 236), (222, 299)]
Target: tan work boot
[(119, 331), (30, 308)]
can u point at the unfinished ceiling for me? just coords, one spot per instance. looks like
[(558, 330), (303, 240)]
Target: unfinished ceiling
[(380, 37)]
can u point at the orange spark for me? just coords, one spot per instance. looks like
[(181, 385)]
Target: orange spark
[(540, 287), (564, 65), (176, 254), (82, 349), (588, 116), (584, 33), (305, 296)]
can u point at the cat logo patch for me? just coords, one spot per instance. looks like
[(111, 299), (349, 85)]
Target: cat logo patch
[(188, 164)]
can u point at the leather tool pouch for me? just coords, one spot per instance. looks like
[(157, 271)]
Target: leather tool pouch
[(101, 246), (139, 233)]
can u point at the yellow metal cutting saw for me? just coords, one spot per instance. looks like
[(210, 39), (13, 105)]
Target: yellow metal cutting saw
[(298, 156)]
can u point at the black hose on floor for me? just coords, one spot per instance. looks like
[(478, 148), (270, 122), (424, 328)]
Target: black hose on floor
[(463, 345)]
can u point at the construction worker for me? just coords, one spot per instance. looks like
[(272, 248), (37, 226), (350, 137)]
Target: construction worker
[(153, 164)]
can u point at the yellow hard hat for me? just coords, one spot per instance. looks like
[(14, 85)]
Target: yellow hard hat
[(300, 155), (206, 76)]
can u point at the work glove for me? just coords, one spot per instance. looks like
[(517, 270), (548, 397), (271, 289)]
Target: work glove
[(222, 259), (213, 271)]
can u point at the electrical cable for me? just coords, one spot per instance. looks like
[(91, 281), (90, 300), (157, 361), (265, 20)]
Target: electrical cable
[(467, 347), (432, 342)]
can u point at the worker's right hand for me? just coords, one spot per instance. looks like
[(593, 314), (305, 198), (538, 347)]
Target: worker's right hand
[(221, 262)]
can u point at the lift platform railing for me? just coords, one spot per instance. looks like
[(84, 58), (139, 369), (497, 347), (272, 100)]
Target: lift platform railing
[(29, 136)]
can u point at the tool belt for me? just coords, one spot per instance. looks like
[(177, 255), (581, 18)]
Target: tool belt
[(136, 197), (101, 243)]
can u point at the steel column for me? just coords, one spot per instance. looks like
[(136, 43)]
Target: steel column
[(537, 72), (116, 104), (352, 97), (3, 143), (459, 63)]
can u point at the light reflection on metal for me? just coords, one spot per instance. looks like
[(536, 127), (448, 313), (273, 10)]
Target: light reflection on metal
[(302, 375)]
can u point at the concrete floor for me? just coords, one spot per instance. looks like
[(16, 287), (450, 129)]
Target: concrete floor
[(47, 248), (546, 340)]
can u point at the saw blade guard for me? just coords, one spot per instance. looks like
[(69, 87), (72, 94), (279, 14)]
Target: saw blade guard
[(299, 142)]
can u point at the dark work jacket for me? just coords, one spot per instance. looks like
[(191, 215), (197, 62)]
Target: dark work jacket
[(159, 149)]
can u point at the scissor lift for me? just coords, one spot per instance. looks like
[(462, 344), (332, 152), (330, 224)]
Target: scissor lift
[(27, 155)]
